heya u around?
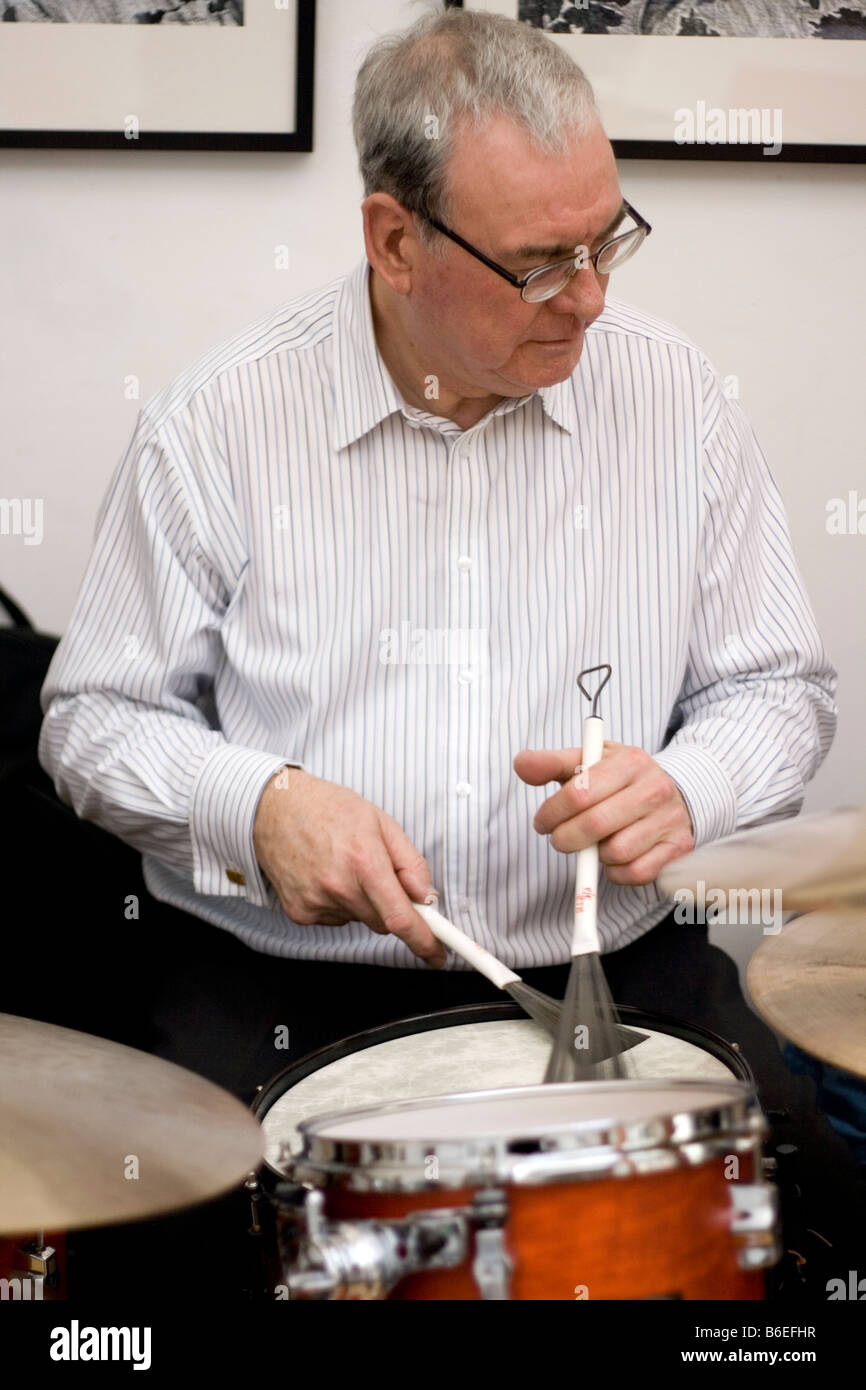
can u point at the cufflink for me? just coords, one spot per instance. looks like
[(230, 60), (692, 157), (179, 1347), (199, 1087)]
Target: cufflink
[(235, 876)]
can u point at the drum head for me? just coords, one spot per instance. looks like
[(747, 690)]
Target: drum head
[(489, 1046)]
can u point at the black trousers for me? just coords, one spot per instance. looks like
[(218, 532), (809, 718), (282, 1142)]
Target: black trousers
[(179, 988)]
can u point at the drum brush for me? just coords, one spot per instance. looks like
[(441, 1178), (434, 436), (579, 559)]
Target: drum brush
[(588, 1045), (540, 1007)]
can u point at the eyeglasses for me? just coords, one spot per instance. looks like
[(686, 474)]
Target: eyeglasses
[(547, 280)]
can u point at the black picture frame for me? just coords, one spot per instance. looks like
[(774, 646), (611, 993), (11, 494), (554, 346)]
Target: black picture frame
[(794, 153), (788, 154), (297, 139)]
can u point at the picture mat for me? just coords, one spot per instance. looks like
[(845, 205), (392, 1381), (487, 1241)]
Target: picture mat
[(174, 78), (641, 81)]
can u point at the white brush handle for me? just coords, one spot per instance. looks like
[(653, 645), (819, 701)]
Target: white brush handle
[(472, 953), (585, 937)]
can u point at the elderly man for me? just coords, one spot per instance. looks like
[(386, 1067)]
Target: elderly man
[(460, 437)]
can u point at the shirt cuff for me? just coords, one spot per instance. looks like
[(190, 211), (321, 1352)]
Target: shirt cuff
[(222, 814), (706, 788)]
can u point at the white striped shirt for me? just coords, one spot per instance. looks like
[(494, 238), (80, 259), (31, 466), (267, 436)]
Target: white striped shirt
[(286, 541)]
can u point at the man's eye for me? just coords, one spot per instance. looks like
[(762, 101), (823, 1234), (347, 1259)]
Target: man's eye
[(620, 228)]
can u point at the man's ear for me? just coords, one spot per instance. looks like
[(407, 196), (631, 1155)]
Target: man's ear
[(391, 240)]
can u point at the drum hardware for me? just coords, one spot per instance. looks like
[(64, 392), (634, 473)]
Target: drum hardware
[(35, 1270), (493, 1266), (559, 1165), (251, 1186), (366, 1259), (755, 1227)]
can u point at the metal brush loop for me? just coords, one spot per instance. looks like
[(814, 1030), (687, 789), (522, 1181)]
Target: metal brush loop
[(583, 690)]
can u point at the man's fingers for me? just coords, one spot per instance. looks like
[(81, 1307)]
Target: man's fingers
[(410, 866), (643, 834), (595, 796), (391, 906), (647, 868), (625, 804), (552, 765)]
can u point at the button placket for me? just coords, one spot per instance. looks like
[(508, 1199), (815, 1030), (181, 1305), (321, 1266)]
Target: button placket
[(466, 791)]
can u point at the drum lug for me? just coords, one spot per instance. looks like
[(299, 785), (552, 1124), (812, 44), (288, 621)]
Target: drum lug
[(314, 1211), (755, 1226), (492, 1266), (365, 1259), (35, 1269)]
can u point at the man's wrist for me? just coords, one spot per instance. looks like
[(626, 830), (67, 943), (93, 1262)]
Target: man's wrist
[(278, 784), (282, 777), (223, 808)]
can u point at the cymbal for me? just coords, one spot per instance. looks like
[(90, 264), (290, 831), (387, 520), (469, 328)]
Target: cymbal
[(814, 860), (809, 983), (94, 1133)]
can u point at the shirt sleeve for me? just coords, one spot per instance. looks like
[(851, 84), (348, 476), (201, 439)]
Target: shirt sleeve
[(125, 738), (756, 712)]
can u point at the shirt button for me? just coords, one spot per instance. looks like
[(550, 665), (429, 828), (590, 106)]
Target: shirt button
[(235, 876), (465, 905), (463, 789), (465, 562), (465, 676)]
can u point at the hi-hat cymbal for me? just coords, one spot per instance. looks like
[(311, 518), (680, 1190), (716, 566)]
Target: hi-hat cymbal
[(95, 1133), (809, 983), (813, 860)]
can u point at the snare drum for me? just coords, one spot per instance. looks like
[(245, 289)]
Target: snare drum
[(424, 1160)]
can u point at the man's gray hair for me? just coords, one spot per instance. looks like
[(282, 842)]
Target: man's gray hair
[(415, 89)]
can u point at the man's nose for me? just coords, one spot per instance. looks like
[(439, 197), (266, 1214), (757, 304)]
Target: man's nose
[(583, 295)]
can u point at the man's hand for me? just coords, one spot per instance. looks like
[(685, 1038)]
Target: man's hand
[(333, 858), (626, 805)]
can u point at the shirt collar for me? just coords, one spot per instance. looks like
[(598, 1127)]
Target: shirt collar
[(364, 391)]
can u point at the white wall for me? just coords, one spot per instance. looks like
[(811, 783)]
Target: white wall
[(137, 262)]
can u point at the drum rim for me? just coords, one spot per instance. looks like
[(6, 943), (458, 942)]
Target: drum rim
[(457, 1100), (486, 1012), (591, 1149)]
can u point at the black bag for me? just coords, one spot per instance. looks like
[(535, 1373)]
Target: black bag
[(25, 655)]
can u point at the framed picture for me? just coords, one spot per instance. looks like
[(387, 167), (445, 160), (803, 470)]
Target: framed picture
[(157, 74), (717, 79)]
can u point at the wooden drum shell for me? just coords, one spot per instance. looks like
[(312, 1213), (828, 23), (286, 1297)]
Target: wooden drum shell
[(662, 1235)]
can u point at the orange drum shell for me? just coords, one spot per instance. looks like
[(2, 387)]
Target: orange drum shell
[(664, 1235)]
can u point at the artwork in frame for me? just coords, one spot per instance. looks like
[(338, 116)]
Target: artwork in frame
[(716, 79), (157, 74)]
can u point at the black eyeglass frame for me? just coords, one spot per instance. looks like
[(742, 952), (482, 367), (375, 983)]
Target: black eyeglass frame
[(520, 284)]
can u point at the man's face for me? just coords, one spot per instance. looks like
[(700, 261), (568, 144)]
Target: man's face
[(522, 208)]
